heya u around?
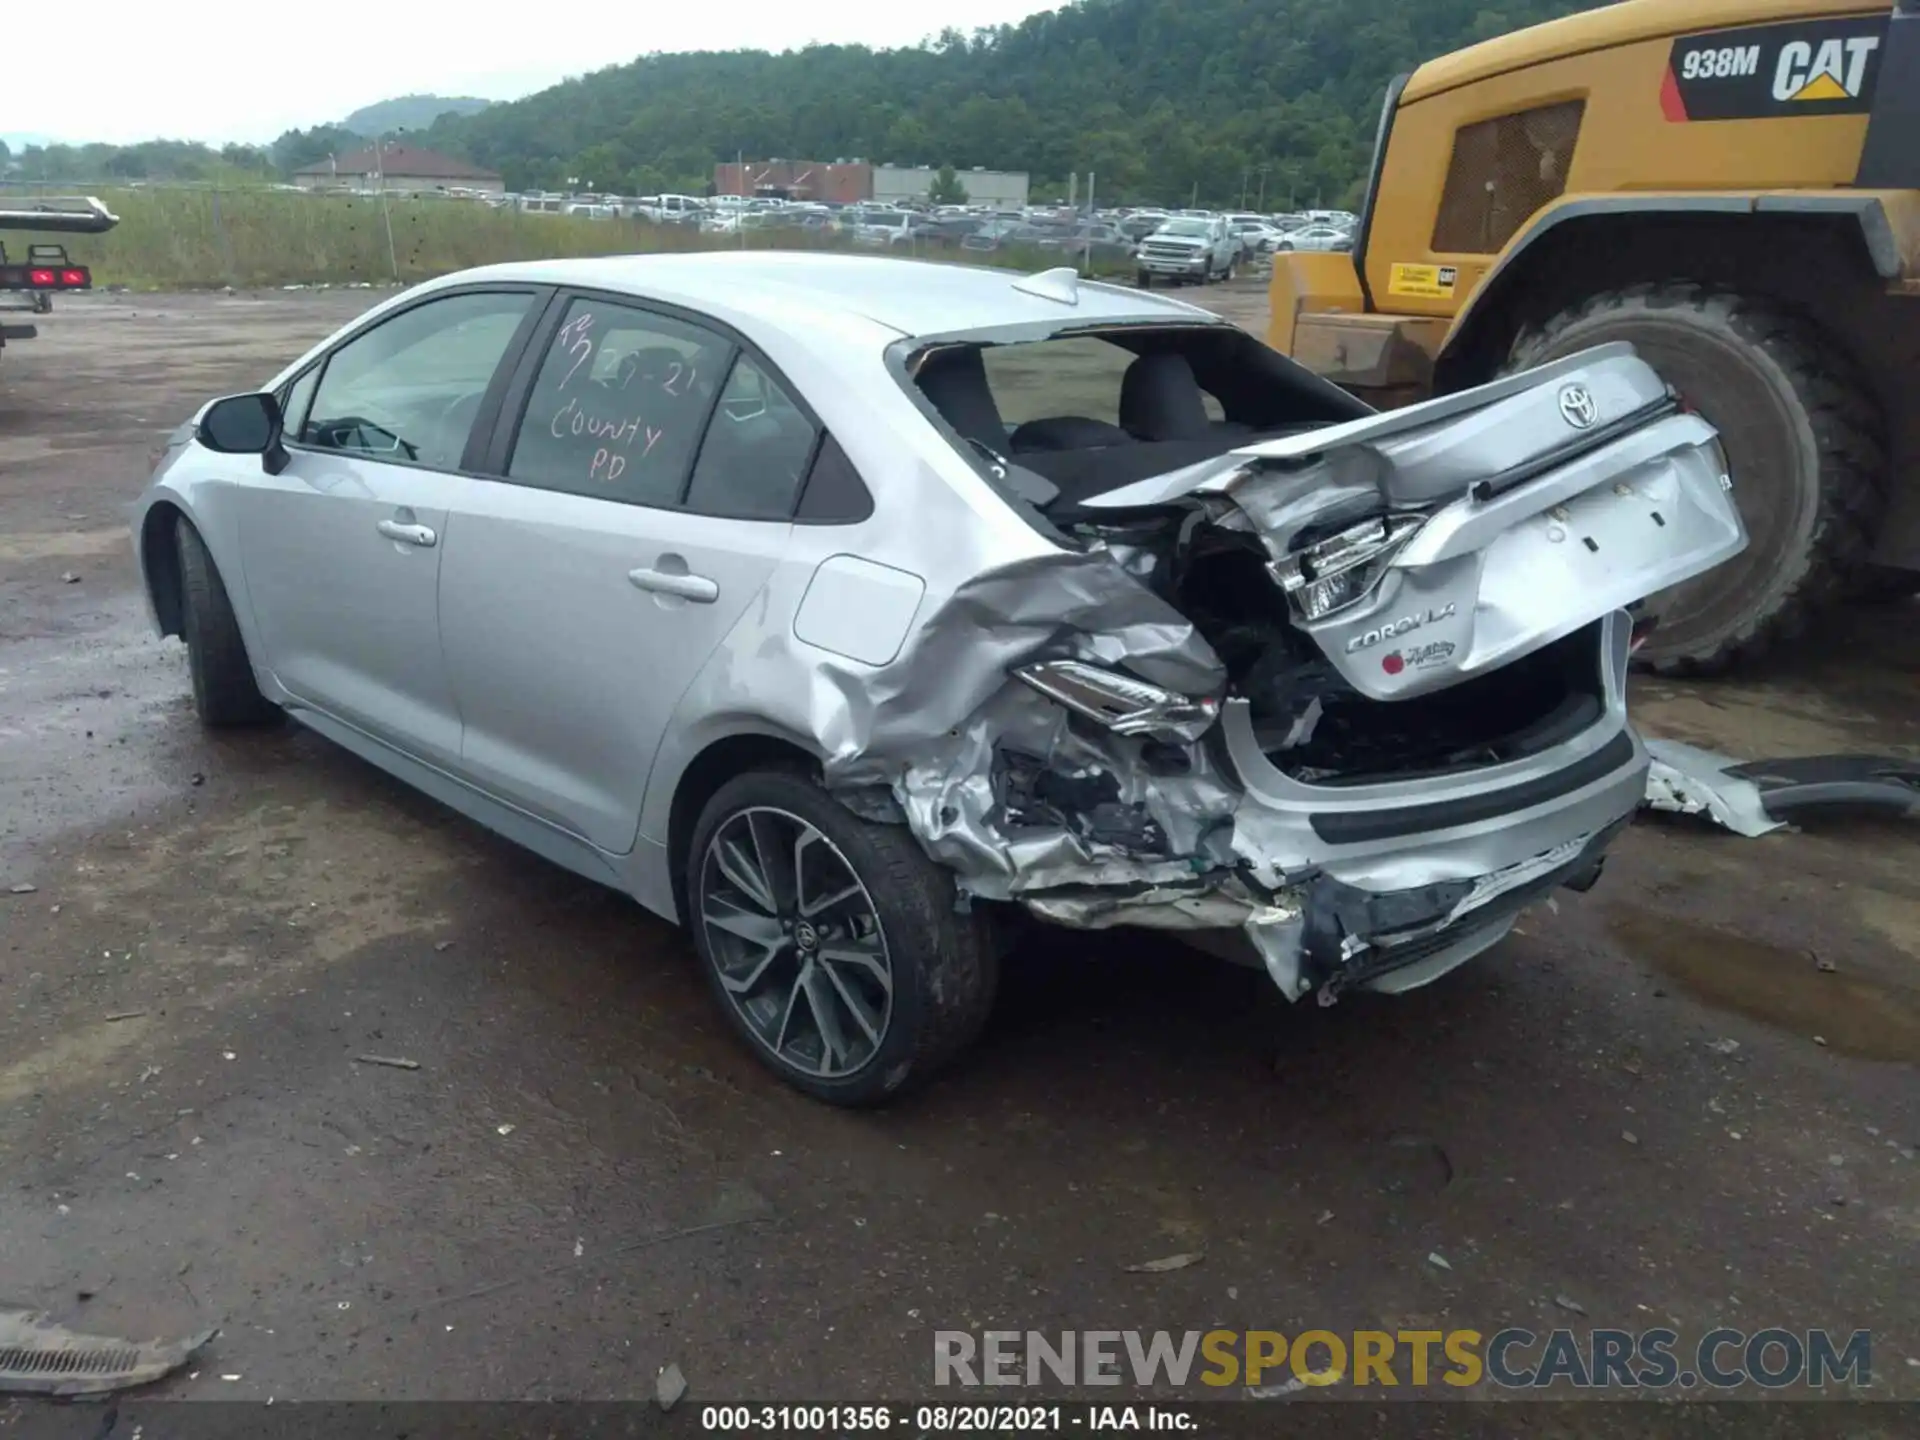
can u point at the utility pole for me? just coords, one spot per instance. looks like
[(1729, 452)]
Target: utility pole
[(1261, 203), (1086, 255), (1244, 177), (386, 215)]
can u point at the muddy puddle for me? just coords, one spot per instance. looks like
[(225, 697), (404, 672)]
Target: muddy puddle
[(1856, 1013)]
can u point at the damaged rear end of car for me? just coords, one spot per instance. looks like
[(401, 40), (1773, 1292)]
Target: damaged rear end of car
[(1346, 689)]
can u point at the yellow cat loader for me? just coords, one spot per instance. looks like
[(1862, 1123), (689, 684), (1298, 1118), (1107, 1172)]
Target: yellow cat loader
[(1731, 185)]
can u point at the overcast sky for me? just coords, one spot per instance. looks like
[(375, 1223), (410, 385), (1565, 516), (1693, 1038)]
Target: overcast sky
[(223, 70)]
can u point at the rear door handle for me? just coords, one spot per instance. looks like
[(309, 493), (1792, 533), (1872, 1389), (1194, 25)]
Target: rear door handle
[(421, 535), (697, 588)]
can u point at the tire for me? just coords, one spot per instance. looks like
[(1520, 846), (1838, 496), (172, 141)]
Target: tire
[(1805, 446), (942, 970), (1884, 585), (1143, 279), (224, 692)]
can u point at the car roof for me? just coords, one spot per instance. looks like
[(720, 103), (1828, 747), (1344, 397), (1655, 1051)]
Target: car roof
[(913, 297)]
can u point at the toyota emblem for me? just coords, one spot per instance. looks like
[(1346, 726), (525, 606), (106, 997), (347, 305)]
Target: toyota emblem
[(1577, 407)]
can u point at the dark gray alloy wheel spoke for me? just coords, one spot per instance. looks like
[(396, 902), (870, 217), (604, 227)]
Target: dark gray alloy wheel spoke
[(796, 942)]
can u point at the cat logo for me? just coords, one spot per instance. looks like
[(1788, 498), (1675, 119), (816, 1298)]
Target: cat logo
[(1767, 72), (1832, 70)]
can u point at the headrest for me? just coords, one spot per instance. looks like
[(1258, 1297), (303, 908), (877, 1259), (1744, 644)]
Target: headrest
[(1160, 399)]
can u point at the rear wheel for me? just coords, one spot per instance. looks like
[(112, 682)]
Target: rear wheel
[(1805, 448), (832, 942), (224, 691)]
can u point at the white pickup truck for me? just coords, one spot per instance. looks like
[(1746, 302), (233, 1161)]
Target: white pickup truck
[(1188, 249)]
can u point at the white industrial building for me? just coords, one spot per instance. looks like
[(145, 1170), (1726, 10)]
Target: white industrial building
[(1004, 189)]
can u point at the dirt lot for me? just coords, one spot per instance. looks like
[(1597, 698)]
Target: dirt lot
[(1653, 1103)]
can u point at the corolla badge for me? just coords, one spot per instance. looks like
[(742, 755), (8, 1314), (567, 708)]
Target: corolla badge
[(1577, 407), (1367, 639)]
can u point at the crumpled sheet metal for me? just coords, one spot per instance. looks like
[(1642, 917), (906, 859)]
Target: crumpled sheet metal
[(1060, 605), (1218, 904), (39, 1357), (1686, 780), (947, 792), (927, 726)]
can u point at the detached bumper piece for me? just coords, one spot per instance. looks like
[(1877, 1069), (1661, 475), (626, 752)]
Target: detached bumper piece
[(1759, 797)]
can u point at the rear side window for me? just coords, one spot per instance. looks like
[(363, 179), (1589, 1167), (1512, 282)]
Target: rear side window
[(617, 409), (756, 451)]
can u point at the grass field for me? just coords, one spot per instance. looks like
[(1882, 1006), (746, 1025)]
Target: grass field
[(172, 239)]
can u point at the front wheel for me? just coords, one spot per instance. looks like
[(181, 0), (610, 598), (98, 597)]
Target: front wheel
[(1806, 453), (832, 942), (224, 690)]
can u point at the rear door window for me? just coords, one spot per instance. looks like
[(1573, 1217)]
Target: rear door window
[(617, 409)]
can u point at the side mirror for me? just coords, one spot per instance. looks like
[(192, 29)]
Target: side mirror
[(245, 425)]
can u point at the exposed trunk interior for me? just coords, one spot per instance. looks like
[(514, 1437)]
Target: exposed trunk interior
[(1313, 724)]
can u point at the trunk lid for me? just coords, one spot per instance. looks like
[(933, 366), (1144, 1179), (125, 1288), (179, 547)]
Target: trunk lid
[(1421, 546)]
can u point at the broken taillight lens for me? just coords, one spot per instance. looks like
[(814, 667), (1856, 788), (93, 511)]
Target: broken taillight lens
[(1343, 568), (1123, 704)]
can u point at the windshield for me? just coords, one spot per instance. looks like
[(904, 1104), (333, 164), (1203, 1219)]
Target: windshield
[(890, 218), (1186, 227)]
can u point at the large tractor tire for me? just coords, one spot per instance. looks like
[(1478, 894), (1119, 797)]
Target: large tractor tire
[(1883, 585), (1805, 447)]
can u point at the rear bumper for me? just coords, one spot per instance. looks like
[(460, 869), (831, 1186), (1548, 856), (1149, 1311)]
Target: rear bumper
[(1403, 870), (1390, 885)]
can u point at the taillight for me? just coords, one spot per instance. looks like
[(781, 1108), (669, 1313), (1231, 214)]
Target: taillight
[(74, 278), (42, 279)]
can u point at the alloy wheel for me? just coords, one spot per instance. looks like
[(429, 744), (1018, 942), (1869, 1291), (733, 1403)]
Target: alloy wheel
[(796, 942)]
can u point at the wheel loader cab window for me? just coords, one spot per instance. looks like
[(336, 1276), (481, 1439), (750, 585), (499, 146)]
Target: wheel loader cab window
[(1090, 412)]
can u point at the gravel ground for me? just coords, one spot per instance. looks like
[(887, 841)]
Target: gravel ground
[(1687, 1097)]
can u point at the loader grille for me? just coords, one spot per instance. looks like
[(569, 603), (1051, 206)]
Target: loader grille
[(1503, 170)]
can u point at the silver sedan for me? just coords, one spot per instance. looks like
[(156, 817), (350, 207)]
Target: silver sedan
[(1315, 237), (852, 609)]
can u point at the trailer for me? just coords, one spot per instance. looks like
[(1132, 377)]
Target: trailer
[(27, 286)]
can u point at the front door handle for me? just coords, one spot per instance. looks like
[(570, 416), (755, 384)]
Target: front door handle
[(421, 535), (697, 588)]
